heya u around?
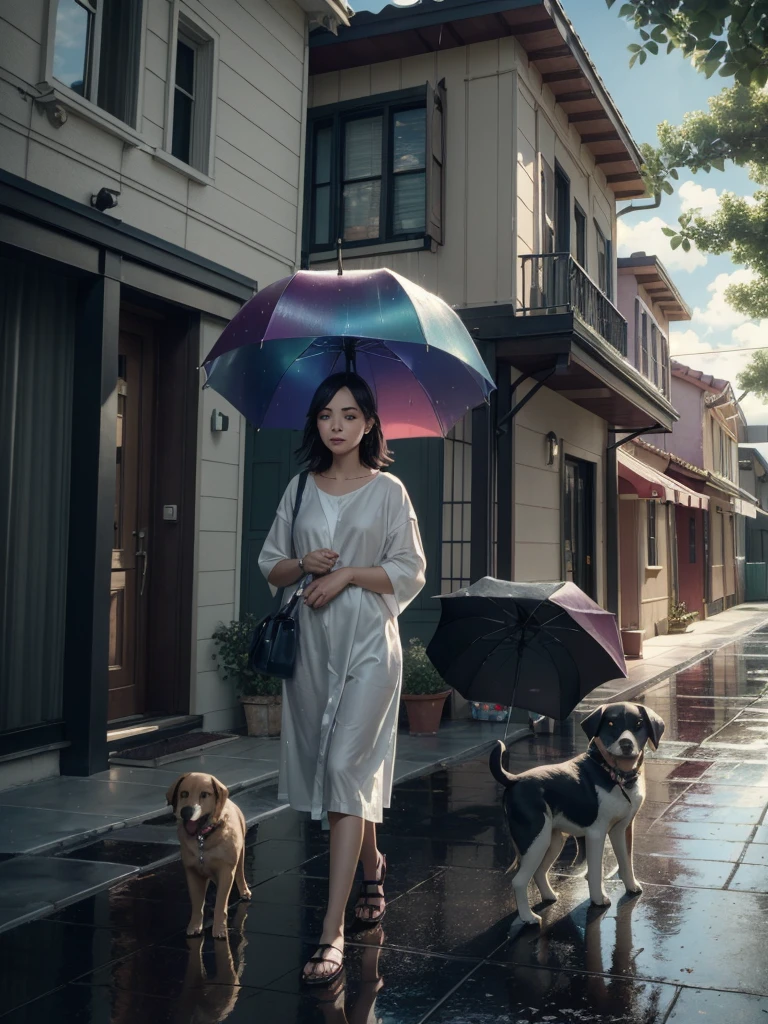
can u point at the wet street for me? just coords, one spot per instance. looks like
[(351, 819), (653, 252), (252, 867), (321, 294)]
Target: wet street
[(692, 948)]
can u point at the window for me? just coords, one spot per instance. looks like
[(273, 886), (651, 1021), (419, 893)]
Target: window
[(581, 235), (562, 211), (651, 349), (653, 372), (692, 540), (547, 207), (192, 75), (96, 52), (604, 276), (375, 170), (457, 507), (652, 547)]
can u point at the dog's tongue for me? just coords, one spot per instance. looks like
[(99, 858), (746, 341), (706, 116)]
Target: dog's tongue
[(191, 827)]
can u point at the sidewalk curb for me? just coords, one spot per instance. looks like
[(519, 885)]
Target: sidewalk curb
[(462, 756)]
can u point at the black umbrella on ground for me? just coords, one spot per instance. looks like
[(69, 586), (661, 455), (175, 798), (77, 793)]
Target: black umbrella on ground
[(538, 646)]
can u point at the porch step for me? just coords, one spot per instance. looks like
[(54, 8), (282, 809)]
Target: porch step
[(131, 732), (158, 752)]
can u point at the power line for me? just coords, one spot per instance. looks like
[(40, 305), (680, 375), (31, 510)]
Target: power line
[(718, 352)]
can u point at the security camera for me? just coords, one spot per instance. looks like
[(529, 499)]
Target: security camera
[(105, 199)]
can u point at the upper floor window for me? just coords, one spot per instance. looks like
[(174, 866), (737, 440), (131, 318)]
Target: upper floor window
[(581, 235), (189, 137), (96, 52), (652, 545), (375, 170), (604, 270), (651, 349)]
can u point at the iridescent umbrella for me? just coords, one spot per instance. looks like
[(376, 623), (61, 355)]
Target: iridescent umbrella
[(409, 345)]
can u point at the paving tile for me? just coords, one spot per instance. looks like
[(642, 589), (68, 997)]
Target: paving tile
[(683, 811), (28, 883), (494, 994), (751, 878), (229, 770), (698, 937), (706, 1007), (60, 953), (120, 851), (655, 843), (33, 830), (119, 800), (662, 870), (741, 775), (457, 911), (162, 777)]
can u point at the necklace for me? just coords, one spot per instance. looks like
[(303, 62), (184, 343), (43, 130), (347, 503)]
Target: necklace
[(345, 478)]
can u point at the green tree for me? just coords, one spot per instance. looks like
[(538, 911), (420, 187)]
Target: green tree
[(754, 377), (729, 37), (735, 129)]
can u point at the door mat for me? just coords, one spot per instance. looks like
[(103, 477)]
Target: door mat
[(174, 748)]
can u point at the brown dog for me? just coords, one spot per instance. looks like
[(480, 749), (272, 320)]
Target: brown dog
[(212, 836)]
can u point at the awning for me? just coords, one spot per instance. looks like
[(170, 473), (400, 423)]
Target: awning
[(744, 508), (646, 482)]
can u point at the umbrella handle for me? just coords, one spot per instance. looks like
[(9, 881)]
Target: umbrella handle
[(521, 644), (350, 354)]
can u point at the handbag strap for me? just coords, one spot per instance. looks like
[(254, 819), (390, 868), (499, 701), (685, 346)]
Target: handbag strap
[(296, 506)]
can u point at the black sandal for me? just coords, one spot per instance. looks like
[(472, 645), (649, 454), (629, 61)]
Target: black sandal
[(323, 979), (367, 897)]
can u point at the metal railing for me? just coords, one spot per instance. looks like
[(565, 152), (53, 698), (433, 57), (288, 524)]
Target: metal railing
[(555, 283)]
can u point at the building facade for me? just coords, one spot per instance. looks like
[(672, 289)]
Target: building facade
[(473, 149), (151, 177), (703, 454)]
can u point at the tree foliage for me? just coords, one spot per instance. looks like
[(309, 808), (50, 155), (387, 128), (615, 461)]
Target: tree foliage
[(727, 37), (734, 129), (755, 377)]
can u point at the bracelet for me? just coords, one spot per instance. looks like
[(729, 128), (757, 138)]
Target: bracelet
[(301, 565)]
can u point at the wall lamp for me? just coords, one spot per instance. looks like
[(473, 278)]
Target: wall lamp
[(553, 448), (105, 199)]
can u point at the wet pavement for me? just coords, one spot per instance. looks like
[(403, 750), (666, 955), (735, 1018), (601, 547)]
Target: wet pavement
[(452, 950)]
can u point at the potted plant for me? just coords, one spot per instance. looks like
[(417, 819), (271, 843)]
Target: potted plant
[(680, 618), (260, 695), (424, 691)]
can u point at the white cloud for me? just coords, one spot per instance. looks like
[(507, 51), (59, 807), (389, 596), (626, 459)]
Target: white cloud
[(718, 313), (715, 355), (646, 236), (694, 197)]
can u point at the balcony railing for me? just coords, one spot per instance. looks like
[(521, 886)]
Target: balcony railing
[(555, 283)]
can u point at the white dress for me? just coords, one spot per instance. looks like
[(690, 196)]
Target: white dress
[(340, 709)]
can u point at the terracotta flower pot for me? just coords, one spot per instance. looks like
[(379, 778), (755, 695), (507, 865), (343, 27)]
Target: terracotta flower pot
[(263, 715), (424, 712), (632, 642)]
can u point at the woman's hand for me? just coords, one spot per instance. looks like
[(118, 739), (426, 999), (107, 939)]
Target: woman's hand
[(320, 562), (321, 592)]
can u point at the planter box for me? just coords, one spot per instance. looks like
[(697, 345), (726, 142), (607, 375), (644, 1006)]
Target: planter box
[(679, 627), (424, 712), (632, 642), (263, 715)]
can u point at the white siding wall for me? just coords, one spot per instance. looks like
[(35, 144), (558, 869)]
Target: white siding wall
[(538, 487), (247, 217), (217, 555), (499, 117)]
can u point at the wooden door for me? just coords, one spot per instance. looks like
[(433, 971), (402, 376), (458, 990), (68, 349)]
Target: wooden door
[(131, 545)]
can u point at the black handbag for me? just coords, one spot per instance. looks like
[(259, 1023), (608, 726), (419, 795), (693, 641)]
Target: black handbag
[(275, 640)]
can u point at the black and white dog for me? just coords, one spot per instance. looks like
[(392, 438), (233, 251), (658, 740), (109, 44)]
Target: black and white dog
[(595, 795)]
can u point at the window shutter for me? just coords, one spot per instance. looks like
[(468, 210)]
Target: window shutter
[(436, 162)]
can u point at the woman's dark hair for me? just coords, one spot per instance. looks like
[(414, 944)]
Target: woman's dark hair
[(373, 448)]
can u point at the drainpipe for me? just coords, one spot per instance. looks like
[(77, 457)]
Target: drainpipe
[(612, 526), (637, 209)]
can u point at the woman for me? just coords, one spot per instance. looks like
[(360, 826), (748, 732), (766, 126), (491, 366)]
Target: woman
[(356, 534)]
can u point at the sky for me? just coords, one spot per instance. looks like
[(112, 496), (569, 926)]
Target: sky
[(665, 88)]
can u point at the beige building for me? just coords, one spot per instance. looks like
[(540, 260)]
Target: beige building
[(151, 179), (474, 149)]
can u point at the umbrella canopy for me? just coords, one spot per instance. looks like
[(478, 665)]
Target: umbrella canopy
[(538, 646), (411, 348)]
